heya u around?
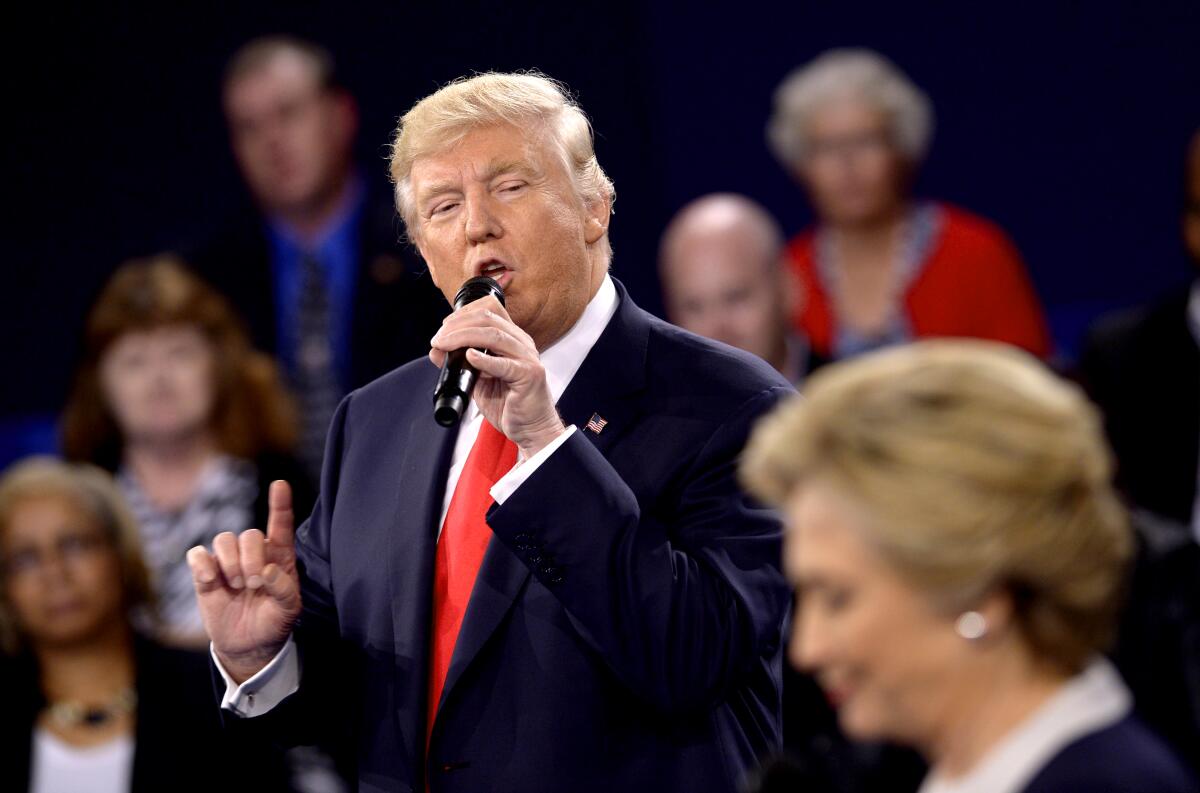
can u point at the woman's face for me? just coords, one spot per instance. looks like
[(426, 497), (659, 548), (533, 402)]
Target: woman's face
[(884, 657), (852, 170), (160, 384), (61, 572)]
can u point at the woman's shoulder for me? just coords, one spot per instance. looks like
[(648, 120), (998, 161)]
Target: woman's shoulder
[(1125, 756), (800, 247), (966, 228)]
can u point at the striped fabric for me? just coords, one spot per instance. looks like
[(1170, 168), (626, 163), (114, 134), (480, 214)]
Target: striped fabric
[(314, 377)]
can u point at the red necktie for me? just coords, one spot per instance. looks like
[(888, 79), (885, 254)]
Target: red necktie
[(460, 550)]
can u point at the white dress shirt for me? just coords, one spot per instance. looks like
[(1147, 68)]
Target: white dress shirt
[(1092, 700), (281, 677)]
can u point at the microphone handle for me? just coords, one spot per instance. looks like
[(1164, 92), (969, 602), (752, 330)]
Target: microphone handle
[(454, 388), (457, 380)]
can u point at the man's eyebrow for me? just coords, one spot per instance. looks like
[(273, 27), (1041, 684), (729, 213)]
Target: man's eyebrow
[(432, 189), (498, 167)]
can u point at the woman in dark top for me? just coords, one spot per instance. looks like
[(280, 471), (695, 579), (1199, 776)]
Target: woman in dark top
[(192, 421), (959, 553), (92, 704)]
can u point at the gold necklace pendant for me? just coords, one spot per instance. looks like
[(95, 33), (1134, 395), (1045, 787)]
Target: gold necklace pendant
[(76, 714)]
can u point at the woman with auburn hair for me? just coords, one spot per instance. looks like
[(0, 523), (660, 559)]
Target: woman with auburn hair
[(194, 422), (959, 554), (92, 703)]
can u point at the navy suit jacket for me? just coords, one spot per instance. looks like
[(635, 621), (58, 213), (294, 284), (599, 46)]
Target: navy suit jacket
[(625, 629), (1122, 758)]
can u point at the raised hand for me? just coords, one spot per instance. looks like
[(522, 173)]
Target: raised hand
[(512, 392), (249, 590)]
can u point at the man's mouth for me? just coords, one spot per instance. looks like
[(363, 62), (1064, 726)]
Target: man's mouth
[(495, 269)]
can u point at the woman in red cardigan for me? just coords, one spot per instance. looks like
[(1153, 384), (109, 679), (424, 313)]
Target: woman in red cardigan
[(880, 267)]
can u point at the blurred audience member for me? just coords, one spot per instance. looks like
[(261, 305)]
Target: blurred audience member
[(194, 422), (1158, 645), (881, 267), (317, 266), (1143, 368), (723, 277), (958, 553), (91, 703)]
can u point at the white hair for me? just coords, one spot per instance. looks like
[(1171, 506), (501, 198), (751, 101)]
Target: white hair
[(849, 73), (529, 101)]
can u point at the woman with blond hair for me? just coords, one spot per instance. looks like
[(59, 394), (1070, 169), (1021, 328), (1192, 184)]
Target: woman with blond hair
[(194, 422), (959, 554), (92, 702)]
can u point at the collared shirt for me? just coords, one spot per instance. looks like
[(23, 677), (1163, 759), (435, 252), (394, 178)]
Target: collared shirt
[(1094, 699), (336, 249), (561, 360)]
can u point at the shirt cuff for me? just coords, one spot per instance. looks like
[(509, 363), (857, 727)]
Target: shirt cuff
[(271, 685), (507, 485)]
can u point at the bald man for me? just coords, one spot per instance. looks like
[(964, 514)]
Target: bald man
[(720, 262)]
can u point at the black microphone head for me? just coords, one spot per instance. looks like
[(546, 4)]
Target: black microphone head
[(478, 287), (448, 408)]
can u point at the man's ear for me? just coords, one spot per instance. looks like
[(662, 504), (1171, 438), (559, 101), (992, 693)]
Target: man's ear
[(595, 222)]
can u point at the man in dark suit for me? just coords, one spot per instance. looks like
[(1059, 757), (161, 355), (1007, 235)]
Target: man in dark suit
[(1142, 367), (316, 266), (568, 592)]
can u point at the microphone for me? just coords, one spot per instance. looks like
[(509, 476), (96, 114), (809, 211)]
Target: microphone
[(458, 377)]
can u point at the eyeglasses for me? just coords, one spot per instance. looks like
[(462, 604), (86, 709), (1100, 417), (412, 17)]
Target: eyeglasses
[(848, 145), (67, 549)]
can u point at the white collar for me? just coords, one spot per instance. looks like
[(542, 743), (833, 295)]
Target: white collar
[(1092, 700), (563, 358)]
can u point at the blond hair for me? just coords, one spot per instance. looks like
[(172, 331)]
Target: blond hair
[(93, 492), (530, 101), (859, 74), (980, 469)]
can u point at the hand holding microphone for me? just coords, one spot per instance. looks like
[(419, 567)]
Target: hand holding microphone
[(457, 380), (508, 382)]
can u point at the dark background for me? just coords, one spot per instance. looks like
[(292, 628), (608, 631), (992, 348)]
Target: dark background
[(1065, 122)]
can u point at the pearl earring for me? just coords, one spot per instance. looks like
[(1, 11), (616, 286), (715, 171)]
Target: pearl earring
[(971, 625)]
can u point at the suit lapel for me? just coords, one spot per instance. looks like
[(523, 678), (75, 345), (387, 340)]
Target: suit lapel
[(608, 383), (420, 488)]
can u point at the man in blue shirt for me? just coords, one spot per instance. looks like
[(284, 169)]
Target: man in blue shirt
[(316, 266)]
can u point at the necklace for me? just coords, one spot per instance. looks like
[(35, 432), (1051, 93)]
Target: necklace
[(72, 713)]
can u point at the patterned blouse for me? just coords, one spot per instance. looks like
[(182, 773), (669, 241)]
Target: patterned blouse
[(223, 501)]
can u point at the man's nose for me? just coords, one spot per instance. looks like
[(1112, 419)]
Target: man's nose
[(481, 222)]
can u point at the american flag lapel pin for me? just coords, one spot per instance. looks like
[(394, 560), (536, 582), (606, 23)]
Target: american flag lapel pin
[(596, 423)]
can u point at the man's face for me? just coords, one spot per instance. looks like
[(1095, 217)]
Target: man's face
[(290, 137), (719, 286), (501, 203)]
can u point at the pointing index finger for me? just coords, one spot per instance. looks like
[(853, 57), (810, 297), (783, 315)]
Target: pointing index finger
[(281, 522)]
